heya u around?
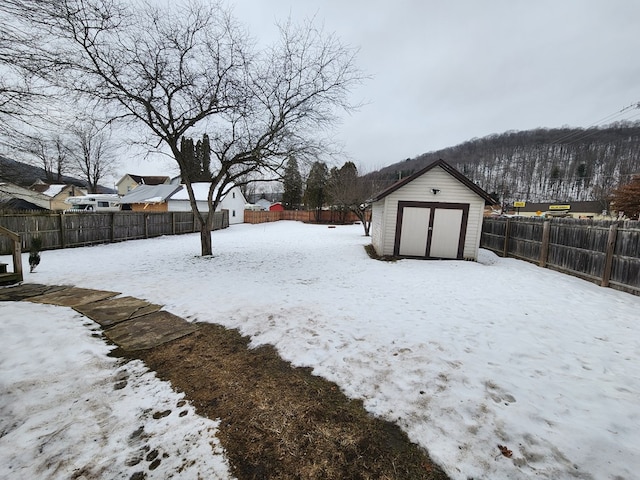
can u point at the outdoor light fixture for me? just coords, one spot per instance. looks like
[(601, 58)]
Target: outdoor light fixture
[(435, 191)]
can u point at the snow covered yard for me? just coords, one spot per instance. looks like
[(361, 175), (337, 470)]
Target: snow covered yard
[(69, 411), (464, 356)]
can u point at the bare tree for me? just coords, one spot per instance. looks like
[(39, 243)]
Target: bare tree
[(188, 69), (350, 192), (51, 153), (15, 91), (24, 96), (91, 151)]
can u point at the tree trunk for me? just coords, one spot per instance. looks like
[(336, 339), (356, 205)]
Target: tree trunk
[(364, 219), (205, 239)]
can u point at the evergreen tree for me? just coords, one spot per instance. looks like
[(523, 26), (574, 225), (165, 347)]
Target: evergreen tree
[(343, 190), (205, 157), (292, 183), (197, 159), (315, 193), (187, 172)]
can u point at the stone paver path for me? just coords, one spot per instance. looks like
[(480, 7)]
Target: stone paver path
[(130, 323)]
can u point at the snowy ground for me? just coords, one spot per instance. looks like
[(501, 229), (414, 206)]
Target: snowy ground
[(69, 411), (464, 356)]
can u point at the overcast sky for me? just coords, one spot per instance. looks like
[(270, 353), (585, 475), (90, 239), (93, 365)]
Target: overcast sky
[(443, 72)]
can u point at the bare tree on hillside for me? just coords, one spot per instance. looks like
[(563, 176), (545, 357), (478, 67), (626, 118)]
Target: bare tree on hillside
[(51, 153), (191, 68)]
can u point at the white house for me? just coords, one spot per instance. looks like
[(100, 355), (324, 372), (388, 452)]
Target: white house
[(435, 213), (233, 201)]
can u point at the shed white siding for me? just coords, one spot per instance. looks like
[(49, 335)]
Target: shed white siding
[(450, 190), (377, 226)]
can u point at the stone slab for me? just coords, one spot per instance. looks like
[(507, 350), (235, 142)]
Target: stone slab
[(26, 290), (72, 296), (115, 310), (149, 331)]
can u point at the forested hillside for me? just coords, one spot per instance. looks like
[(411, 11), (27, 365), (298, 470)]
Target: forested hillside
[(542, 165), (26, 175)]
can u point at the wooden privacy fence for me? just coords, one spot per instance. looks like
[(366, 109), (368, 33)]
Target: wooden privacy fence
[(80, 229), (308, 216), (604, 252)]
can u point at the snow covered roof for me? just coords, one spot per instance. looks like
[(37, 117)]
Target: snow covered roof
[(54, 190), (149, 194), (200, 190)]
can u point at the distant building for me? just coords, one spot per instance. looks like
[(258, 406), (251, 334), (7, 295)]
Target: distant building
[(149, 198), (276, 207), (263, 203), (593, 209), (271, 197), (58, 193), (233, 201), (129, 181)]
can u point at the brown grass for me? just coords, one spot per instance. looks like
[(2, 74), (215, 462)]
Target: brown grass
[(280, 422), (374, 255)]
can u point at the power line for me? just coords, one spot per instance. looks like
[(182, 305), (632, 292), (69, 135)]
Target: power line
[(583, 134)]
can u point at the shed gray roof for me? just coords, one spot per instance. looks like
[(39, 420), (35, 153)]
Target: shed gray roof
[(447, 168), (150, 194)]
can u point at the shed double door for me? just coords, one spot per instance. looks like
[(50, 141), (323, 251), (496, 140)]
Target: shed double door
[(431, 230)]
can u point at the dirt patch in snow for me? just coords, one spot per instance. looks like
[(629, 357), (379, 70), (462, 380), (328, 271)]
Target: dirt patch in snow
[(281, 422)]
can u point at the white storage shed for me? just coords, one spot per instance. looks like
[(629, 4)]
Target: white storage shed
[(435, 213)]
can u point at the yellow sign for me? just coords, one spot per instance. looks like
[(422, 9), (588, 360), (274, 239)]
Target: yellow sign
[(519, 204), (559, 207)]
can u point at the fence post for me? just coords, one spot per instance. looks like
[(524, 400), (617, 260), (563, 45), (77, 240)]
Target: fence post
[(544, 247), (146, 225), (113, 227), (505, 247), (63, 232), (608, 264), (17, 258), (173, 223)]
